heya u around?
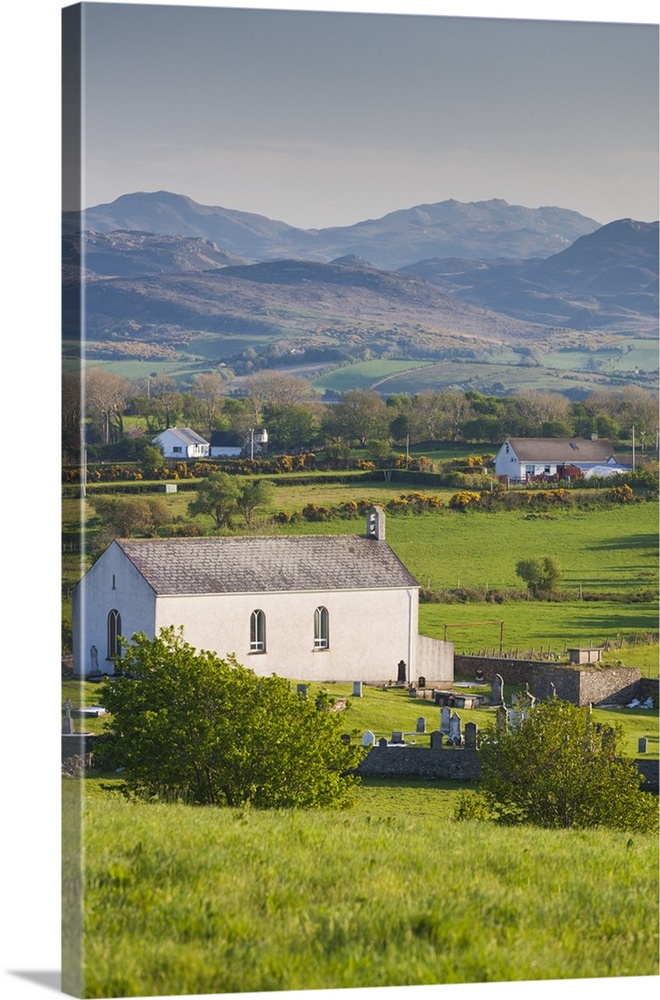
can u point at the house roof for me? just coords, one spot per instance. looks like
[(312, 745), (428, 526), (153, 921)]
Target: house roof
[(245, 564), (570, 450), (185, 434)]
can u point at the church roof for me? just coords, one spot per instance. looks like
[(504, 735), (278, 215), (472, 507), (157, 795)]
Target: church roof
[(246, 564)]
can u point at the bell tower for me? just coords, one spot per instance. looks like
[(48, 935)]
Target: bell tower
[(376, 523)]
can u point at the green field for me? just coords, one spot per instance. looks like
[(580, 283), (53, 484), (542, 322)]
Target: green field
[(366, 375), (182, 900), (625, 356)]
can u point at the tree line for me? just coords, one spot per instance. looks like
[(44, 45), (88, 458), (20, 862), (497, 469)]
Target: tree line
[(297, 418)]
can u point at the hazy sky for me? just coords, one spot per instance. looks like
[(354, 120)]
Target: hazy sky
[(322, 119)]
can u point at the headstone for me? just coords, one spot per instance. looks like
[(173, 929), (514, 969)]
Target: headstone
[(421, 725), (436, 740), (552, 690), (497, 690), (514, 718), (514, 698), (530, 697), (445, 717), (471, 730), (302, 690), (382, 742), (401, 672), (455, 729), (94, 661), (357, 689), (368, 739), (421, 682), (502, 717), (397, 737), (641, 744), (67, 728)]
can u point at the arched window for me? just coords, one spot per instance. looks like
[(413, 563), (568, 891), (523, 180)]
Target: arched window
[(321, 633), (114, 631), (257, 632)]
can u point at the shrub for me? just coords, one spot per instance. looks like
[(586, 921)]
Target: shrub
[(190, 726), (558, 768)]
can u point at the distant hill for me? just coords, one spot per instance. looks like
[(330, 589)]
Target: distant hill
[(606, 280), (303, 302), (121, 253), (485, 229)]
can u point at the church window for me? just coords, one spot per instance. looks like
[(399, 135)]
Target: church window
[(114, 632), (321, 629), (257, 632)]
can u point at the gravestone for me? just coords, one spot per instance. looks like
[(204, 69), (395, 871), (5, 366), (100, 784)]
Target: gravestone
[(368, 739), (530, 697), (514, 718), (514, 698), (357, 689), (302, 690), (445, 718), (436, 740), (502, 717), (497, 690), (552, 690), (471, 730), (421, 725), (382, 742), (401, 672), (397, 737), (94, 661), (67, 728), (455, 729), (641, 744)]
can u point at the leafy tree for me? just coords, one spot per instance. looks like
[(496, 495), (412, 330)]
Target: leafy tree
[(217, 496), (542, 574), (193, 727), (558, 768), (253, 494), (125, 517)]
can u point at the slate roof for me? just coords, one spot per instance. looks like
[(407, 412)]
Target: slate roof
[(571, 450), (185, 434), (272, 564)]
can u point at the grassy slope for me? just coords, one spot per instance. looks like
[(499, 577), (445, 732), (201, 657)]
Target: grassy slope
[(197, 900)]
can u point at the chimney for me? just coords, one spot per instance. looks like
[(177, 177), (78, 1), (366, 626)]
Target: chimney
[(376, 524)]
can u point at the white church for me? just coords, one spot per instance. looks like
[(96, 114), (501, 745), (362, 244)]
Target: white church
[(306, 607)]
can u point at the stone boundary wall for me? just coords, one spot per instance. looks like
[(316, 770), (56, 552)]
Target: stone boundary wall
[(580, 686), (455, 763)]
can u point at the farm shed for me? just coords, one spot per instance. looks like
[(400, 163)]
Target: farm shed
[(310, 607)]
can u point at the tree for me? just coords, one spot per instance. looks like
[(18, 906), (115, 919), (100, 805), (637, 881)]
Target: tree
[(255, 493), (125, 517), (542, 575), (217, 496), (192, 727), (558, 768)]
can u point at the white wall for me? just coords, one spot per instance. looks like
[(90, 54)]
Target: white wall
[(370, 631), (434, 661), (96, 595)]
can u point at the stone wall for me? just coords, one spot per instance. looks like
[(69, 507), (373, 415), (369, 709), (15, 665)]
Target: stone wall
[(579, 685), (455, 763)]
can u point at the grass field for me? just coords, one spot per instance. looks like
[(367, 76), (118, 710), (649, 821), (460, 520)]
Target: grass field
[(389, 893)]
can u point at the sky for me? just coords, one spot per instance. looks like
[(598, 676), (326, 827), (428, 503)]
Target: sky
[(328, 118)]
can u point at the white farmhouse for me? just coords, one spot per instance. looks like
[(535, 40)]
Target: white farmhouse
[(310, 607), (182, 442), (525, 458)]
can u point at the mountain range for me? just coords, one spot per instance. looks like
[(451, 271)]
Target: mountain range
[(484, 229), (164, 276)]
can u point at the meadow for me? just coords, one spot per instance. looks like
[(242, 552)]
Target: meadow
[(391, 892)]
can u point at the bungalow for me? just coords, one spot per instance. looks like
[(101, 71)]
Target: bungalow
[(526, 458), (182, 442), (322, 607)]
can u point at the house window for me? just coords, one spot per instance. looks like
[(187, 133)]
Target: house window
[(530, 470), (177, 449), (321, 631), (257, 632), (114, 631)]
